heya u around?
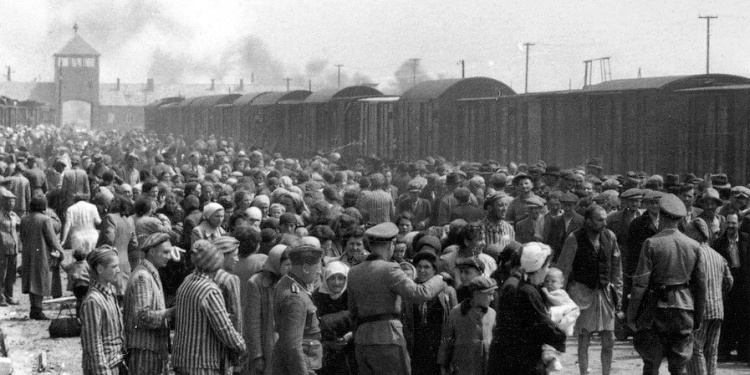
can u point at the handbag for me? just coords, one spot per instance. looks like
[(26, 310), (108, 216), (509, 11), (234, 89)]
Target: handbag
[(65, 326)]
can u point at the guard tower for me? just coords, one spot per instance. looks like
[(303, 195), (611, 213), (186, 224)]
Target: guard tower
[(77, 81)]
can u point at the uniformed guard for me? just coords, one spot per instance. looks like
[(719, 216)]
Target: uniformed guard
[(376, 287), (298, 350), (668, 293)]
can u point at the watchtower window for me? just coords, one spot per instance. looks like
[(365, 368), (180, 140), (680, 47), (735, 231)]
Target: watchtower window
[(76, 62), (89, 62), (62, 61)]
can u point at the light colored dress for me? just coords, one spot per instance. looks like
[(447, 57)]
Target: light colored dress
[(79, 230)]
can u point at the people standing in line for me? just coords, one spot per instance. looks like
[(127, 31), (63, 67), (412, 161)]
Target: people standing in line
[(669, 293)]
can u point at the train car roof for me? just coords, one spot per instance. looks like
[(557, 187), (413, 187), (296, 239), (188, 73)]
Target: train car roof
[(457, 88), (269, 98), (246, 99), (669, 83), (212, 100), (165, 101), (351, 92), (380, 99)]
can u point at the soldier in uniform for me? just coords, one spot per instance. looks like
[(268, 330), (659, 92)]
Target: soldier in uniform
[(298, 350), (668, 295), (376, 287)]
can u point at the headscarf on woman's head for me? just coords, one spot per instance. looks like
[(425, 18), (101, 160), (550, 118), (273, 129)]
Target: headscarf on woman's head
[(534, 255), (275, 256), (206, 257), (286, 182), (334, 268), (211, 208)]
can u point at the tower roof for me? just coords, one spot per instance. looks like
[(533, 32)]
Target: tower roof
[(78, 46)]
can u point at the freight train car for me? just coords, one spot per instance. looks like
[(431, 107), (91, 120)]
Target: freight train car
[(371, 127), (14, 112), (273, 121), (429, 119), (324, 126), (664, 124)]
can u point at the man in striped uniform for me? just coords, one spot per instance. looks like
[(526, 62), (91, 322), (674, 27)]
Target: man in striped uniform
[(146, 315), (204, 335), (718, 283), (228, 283), (101, 320)]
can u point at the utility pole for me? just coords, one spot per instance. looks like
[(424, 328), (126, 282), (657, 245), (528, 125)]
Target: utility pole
[(708, 39), (463, 68), (339, 66), (414, 71), (287, 83), (309, 85), (526, 84)]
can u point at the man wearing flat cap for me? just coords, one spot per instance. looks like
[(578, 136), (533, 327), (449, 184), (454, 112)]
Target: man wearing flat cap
[(298, 350), (531, 228), (710, 202), (669, 293), (144, 309), (419, 207), (562, 226), (376, 287), (640, 229)]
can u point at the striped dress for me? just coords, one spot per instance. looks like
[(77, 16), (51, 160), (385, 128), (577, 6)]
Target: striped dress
[(101, 331), (204, 335)]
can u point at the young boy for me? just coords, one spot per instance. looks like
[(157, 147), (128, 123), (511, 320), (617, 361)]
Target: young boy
[(563, 311), (468, 333), (78, 276)]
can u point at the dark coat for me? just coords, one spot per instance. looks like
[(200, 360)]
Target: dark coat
[(38, 240), (557, 232), (641, 228), (523, 325)]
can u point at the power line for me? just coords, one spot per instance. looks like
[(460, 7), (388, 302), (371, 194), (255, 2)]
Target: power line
[(708, 39)]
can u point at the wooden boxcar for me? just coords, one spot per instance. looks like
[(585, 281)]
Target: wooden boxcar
[(324, 126), (274, 120), (370, 127), (659, 125), (429, 122)]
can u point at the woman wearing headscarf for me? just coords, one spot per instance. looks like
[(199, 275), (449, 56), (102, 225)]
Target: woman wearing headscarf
[(259, 323), (523, 324), (335, 321), (423, 322), (210, 227)]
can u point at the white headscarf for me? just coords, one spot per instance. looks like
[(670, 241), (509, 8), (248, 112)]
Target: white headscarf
[(334, 268)]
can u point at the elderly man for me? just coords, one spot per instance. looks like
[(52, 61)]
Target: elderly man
[(420, 208), (591, 262), (669, 293), (204, 336), (298, 350), (375, 289), (146, 315)]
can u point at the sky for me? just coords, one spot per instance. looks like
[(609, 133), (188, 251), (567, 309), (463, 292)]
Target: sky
[(189, 41)]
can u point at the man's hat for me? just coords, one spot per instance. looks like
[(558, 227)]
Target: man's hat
[(652, 195), (672, 206), (415, 185), (633, 193), (569, 198), (482, 284), (552, 170), (471, 262), (520, 176), (741, 192), (720, 181), (595, 163), (611, 184), (713, 194), (534, 201), (383, 232), (305, 253)]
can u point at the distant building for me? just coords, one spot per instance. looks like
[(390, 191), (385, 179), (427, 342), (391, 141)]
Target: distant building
[(87, 102)]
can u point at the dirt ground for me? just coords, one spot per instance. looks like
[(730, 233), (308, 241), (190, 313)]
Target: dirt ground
[(26, 339)]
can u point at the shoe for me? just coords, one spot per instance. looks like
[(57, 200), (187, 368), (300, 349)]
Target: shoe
[(38, 316)]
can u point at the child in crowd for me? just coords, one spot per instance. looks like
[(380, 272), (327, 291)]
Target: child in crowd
[(78, 276), (562, 310), (467, 334)]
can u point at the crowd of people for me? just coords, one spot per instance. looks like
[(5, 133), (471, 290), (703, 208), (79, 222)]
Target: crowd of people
[(216, 258)]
